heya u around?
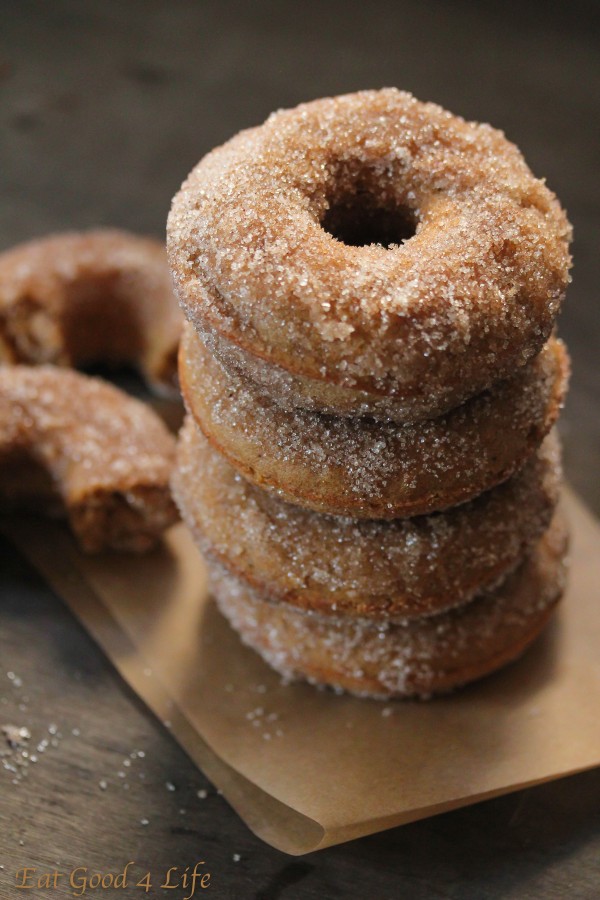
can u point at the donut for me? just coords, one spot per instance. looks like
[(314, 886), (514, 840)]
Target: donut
[(76, 446), (401, 257), (419, 658), (76, 299), (300, 392), (368, 469), (362, 568)]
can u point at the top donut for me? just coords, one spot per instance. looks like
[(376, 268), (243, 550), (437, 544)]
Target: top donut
[(373, 242)]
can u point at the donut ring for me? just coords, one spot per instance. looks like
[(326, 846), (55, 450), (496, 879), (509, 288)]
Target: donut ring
[(367, 469), (419, 658), (372, 569), (75, 299), (264, 247), (299, 392), (77, 446)]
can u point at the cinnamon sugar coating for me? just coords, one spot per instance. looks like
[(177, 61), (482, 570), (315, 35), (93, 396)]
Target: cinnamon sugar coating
[(418, 658), (376, 243), (294, 391), (372, 569), (367, 469), (101, 296), (77, 446)]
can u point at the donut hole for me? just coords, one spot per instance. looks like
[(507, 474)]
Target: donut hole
[(362, 209), (358, 224), (101, 321)]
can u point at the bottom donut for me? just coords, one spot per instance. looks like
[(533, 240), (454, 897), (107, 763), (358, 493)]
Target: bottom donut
[(419, 658)]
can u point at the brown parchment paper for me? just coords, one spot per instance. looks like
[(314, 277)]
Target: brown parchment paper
[(319, 768)]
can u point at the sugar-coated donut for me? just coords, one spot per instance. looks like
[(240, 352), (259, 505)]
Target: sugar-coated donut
[(301, 392), (368, 469), (367, 568), (374, 243), (77, 446), (419, 658), (104, 296)]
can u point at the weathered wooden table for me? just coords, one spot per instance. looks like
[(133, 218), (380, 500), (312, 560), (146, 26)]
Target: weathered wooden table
[(105, 107)]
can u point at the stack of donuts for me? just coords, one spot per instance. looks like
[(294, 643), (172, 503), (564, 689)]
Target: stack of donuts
[(372, 377)]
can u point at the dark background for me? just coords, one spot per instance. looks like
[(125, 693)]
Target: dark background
[(105, 106)]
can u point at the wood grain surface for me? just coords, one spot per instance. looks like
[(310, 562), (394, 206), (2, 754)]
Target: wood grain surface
[(105, 107)]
